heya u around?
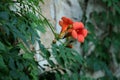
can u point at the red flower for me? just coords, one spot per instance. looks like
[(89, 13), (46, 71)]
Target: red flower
[(65, 23), (78, 31), (74, 29)]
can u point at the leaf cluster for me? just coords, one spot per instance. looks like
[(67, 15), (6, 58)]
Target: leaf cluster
[(19, 22)]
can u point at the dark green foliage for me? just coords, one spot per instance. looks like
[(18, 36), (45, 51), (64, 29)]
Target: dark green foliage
[(67, 58), (14, 66), (18, 25), (106, 43), (67, 61)]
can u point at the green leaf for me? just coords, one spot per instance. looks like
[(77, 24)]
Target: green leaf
[(34, 72), (28, 56), (12, 63), (47, 54), (75, 76), (4, 15), (24, 77), (61, 61), (51, 63), (14, 74), (3, 67), (2, 47), (79, 59), (66, 76), (58, 77), (19, 65), (117, 8), (22, 46), (110, 3)]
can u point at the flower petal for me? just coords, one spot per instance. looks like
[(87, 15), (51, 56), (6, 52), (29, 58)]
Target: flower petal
[(67, 20), (65, 23), (84, 32), (61, 23), (74, 34), (78, 25), (80, 38), (64, 28)]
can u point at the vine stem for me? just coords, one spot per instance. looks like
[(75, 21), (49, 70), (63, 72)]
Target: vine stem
[(51, 27)]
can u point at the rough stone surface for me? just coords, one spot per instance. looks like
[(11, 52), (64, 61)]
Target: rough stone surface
[(48, 36)]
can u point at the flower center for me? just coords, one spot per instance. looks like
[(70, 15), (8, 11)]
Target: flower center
[(79, 31)]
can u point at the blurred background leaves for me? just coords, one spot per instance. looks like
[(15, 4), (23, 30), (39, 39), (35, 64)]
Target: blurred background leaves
[(104, 34)]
